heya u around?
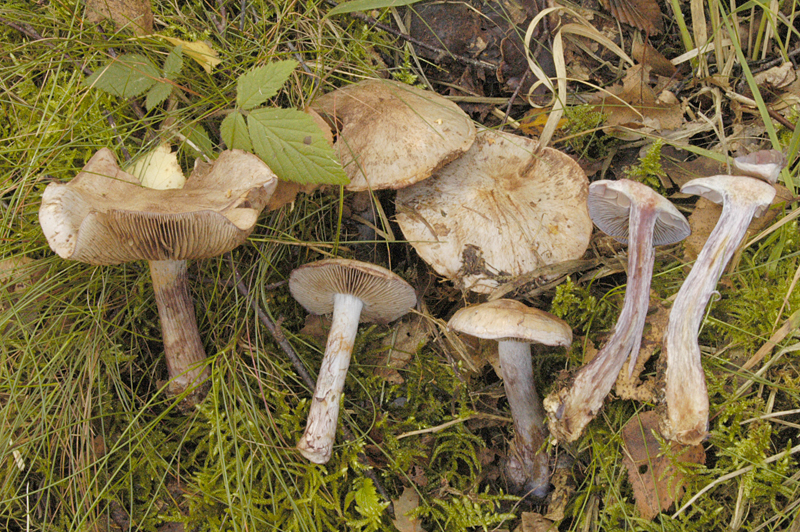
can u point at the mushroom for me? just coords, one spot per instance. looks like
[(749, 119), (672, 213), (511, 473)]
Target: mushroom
[(763, 164), (742, 198), (634, 214), (351, 291), (500, 210), (391, 135), (104, 217), (515, 326)]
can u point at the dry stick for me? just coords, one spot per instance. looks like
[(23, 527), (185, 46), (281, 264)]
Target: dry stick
[(308, 380)]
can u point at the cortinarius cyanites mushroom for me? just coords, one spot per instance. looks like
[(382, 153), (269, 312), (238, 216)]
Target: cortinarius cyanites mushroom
[(515, 326), (686, 396), (351, 291), (763, 164), (391, 135), (500, 210), (634, 214), (105, 216)]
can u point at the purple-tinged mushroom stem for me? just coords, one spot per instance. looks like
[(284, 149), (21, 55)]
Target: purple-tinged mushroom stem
[(687, 399), (316, 444), (527, 465), (183, 348), (580, 403)]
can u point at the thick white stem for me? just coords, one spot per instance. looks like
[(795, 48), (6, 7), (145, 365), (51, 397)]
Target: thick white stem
[(686, 394), (580, 404), (316, 444), (526, 468), (183, 348)]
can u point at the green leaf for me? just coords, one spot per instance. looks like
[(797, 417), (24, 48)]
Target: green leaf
[(292, 144), (157, 94), (367, 5), (174, 63), (198, 138), (234, 132), (262, 83), (126, 76)]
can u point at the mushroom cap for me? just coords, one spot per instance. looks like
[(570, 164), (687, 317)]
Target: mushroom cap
[(763, 164), (385, 295), (392, 135), (507, 319), (609, 206), (104, 216), (741, 189), (501, 208)]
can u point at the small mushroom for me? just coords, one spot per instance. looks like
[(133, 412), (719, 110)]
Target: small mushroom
[(515, 326), (351, 291), (763, 164), (391, 135), (104, 216), (634, 214), (742, 198), (500, 210)]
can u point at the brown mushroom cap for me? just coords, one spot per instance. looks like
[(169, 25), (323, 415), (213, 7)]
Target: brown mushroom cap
[(609, 206), (392, 135), (502, 206), (507, 319), (386, 296), (104, 216)]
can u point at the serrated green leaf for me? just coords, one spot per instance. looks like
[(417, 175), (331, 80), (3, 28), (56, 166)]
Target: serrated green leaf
[(367, 5), (157, 94), (294, 147), (126, 76), (198, 138), (234, 132), (262, 83), (174, 63)]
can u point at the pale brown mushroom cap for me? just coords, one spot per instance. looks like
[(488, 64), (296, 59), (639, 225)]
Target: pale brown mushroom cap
[(104, 216), (734, 188), (610, 203), (507, 319), (501, 205), (392, 135), (385, 295), (763, 164)]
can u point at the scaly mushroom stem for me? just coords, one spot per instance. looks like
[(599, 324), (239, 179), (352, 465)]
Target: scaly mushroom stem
[(183, 348), (316, 444), (527, 468), (571, 410), (686, 396)]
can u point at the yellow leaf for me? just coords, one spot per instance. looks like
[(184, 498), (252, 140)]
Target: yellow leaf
[(199, 51)]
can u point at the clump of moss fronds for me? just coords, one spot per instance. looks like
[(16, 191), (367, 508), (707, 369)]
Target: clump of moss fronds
[(649, 170), (583, 130)]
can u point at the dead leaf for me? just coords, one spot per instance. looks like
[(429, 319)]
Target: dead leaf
[(642, 14), (317, 327), (286, 192), (406, 503), (533, 522), (656, 482), (644, 53), (563, 488), (200, 51), (136, 15)]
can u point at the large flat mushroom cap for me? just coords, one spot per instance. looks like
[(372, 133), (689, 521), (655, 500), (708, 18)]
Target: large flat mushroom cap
[(386, 296), (392, 135), (738, 188), (507, 319), (104, 216), (499, 209), (609, 206)]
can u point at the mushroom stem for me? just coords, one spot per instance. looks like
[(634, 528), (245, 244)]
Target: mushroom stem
[(580, 404), (183, 348), (316, 444), (686, 395), (527, 467)]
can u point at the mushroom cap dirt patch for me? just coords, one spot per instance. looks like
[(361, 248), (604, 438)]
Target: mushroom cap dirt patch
[(104, 216), (499, 209), (391, 135)]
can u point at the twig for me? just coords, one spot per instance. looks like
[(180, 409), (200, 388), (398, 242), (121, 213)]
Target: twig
[(452, 422)]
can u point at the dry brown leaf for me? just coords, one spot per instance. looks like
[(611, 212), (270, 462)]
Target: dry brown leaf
[(406, 503), (317, 327), (134, 14), (563, 488), (533, 522), (642, 14), (656, 482), (286, 192), (644, 53)]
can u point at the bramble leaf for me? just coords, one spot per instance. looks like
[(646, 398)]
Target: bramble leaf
[(126, 76), (234, 132), (260, 84)]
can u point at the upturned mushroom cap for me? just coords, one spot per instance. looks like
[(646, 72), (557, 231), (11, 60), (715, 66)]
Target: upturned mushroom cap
[(740, 189), (104, 216), (386, 296), (609, 206), (392, 135), (499, 209), (763, 164), (507, 319)]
